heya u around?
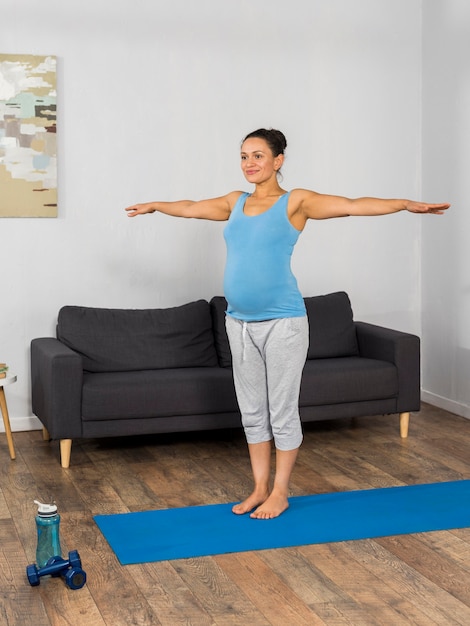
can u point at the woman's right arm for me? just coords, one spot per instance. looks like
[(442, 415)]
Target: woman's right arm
[(218, 209)]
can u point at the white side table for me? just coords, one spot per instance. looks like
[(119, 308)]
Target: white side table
[(8, 380)]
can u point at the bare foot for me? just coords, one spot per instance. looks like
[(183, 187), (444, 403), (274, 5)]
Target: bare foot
[(272, 507), (254, 500)]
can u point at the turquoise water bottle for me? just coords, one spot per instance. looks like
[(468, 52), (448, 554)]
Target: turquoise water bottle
[(47, 525)]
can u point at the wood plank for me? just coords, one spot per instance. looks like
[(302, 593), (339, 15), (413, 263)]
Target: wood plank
[(353, 461), (447, 573), (278, 602), (379, 602), (126, 482), (19, 602), (170, 598), (109, 584), (182, 482), (4, 510), (430, 600), (301, 574), (223, 599)]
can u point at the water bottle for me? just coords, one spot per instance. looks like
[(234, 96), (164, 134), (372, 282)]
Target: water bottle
[(47, 525)]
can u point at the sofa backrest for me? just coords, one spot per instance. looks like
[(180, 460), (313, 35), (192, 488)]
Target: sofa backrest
[(190, 335), (112, 340), (331, 327)]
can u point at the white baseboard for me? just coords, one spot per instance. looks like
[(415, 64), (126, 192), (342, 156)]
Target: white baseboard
[(444, 403), (20, 424)]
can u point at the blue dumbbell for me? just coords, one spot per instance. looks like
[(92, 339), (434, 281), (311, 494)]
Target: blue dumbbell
[(71, 570)]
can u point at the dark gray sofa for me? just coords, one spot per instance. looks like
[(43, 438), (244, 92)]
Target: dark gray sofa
[(117, 372)]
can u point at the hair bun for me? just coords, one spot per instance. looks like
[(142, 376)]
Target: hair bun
[(275, 139), (280, 137)]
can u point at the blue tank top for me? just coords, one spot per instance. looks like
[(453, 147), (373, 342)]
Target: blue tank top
[(259, 283)]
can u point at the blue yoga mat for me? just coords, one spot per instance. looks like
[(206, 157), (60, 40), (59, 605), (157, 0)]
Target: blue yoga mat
[(178, 533)]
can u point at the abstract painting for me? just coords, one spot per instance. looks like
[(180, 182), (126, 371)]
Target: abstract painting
[(28, 146)]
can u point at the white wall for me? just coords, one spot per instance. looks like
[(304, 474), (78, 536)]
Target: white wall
[(153, 100), (446, 166)]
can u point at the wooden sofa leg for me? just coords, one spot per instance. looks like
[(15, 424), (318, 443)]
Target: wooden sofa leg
[(45, 434), (65, 452), (404, 423)]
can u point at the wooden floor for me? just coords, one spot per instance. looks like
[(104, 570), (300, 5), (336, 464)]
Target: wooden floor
[(415, 579)]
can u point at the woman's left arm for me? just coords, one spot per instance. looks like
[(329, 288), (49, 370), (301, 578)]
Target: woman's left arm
[(320, 206)]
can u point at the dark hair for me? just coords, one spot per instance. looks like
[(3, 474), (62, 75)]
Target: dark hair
[(274, 138)]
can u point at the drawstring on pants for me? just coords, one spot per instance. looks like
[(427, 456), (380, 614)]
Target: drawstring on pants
[(244, 340)]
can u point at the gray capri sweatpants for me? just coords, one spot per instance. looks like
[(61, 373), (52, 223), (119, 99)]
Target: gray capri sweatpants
[(268, 358)]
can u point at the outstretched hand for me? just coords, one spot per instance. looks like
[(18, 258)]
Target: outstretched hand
[(139, 209), (423, 207)]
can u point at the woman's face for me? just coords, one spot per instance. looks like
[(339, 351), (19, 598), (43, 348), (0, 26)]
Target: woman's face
[(258, 162)]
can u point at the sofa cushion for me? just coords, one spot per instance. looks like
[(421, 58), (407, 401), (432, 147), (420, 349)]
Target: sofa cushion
[(113, 340), (348, 379), (158, 393), (332, 330), (218, 307)]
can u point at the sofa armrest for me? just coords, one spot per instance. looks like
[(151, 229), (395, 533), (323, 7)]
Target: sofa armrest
[(56, 380), (401, 349)]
